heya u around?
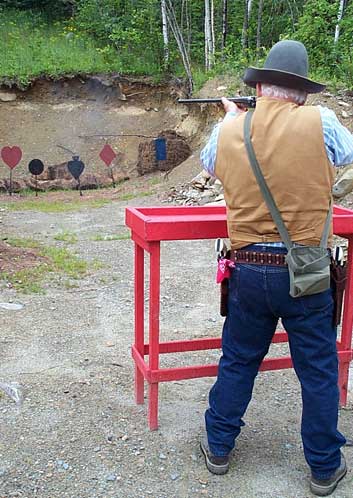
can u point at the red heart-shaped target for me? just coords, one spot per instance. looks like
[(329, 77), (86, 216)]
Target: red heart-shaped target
[(11, 156)]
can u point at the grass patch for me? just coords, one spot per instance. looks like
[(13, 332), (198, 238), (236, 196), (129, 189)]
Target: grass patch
[(64, 261), (59, 261), (156, 181), (50, 206), (23, 243), (31, 47), (66, 236), (118, 236), (136, 195), (29, 280)]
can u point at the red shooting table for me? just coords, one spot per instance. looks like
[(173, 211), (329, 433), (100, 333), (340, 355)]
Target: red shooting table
[(149, 226)]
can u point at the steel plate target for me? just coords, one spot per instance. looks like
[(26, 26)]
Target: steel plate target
[(76, 167), (36, 167)]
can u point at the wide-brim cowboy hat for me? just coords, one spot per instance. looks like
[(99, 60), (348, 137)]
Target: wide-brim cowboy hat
[(286, 65)]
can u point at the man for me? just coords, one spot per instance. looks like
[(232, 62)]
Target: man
[(296, 147)]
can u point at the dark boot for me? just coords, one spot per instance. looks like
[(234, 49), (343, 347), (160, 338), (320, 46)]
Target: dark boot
[(324, 487), (216, 464)]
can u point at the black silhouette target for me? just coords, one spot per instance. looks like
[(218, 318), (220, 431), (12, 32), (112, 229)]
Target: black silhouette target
[(76, 168), (36, 167)]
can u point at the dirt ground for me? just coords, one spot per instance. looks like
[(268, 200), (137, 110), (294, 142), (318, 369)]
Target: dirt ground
[(78, 432)]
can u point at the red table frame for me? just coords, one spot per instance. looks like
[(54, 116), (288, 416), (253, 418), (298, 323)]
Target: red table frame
[(151, 225)]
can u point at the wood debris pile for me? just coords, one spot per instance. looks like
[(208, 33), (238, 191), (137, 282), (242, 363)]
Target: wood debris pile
[(201, 190)]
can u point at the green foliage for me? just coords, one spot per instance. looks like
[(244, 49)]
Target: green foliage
[(126, 36), (133, 29), (51, 7), (32, 47), (316, 30)]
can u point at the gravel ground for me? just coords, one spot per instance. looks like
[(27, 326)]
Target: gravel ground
[(78, 433)]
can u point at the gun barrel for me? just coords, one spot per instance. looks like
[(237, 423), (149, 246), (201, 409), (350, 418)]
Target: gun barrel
[(246, 101)]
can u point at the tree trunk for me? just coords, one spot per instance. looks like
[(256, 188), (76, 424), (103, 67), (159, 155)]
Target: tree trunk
[(209, 35), (259, 24), (339, 18), (244, 36), (224, 24), (188, 25), (249, 8), (213, 46), (180, 42), (165, 34)]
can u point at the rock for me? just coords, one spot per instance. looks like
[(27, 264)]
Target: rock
[(189, 127), (342, 103), (162, 456), (17, 185), (111, 478), (344, 184), (203, 189), (3, 186), (105, 88), (7, 97), (344, 114), (174, 476), (58, 177), (56, 172), (12, 306)]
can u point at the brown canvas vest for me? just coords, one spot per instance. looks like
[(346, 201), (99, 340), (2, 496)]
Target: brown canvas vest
[(289, 145)]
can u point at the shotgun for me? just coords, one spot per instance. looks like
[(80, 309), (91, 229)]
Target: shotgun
[(249, 102)]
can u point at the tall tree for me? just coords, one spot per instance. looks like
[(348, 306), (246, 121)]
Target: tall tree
[(258, 30), (244, 35), (175, 28), (339, 18), (165, 33), (209, 34), (224, 24)]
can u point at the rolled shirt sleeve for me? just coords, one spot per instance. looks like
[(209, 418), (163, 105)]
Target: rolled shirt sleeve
[(209, 152), (338, 139)]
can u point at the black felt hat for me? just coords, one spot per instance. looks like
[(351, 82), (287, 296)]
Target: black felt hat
[(286, 65)]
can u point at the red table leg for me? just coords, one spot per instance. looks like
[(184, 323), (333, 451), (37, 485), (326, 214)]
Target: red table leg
[(346, 334), (154, 332), (139, 319)]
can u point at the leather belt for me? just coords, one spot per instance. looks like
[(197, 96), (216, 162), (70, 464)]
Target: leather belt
[(258, 258)]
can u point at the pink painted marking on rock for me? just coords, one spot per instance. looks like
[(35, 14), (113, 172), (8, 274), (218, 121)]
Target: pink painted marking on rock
[(11, 156)]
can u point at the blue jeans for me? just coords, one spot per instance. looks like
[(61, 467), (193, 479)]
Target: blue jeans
[(258, 297)]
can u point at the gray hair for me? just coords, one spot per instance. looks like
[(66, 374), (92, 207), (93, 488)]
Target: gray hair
[(281, 92)]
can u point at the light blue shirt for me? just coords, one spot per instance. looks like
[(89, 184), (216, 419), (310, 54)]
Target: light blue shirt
[(338, 144)]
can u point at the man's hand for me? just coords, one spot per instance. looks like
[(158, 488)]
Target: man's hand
[(231, 106)]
